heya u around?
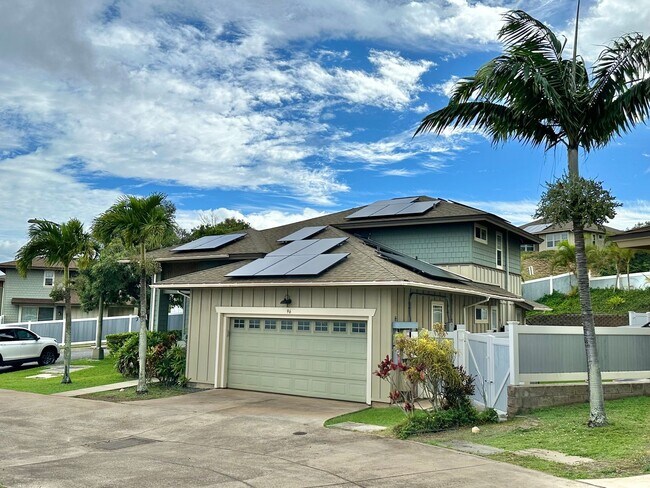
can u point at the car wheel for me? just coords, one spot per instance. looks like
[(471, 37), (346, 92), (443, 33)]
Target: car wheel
[(48, 356)]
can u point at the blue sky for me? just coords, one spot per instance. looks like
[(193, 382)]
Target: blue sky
[(271, 111)]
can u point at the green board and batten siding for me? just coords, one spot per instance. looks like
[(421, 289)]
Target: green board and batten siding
[(389, 303)]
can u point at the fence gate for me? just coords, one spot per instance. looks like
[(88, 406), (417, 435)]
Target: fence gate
[(487, 359)]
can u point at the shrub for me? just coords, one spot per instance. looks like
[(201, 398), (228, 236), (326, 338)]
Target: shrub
[(488, 416), (167, 364), (115, 341), (422, 422), (127, 356)]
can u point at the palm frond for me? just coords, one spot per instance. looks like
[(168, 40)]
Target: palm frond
[(498, 121), (522, 29), (618, 66)]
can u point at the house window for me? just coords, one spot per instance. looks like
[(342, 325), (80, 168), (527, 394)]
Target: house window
[(499, 250), (286, 325), (494, 318), (36, 314), (304, 326), (593, 239), (480, 234), (553, 240), (437, 313), (320, 326), (358, 327), (269, 325), (239, 324), (48, 278), (481, 315), (254, 324), (527, 247), (340, 327)]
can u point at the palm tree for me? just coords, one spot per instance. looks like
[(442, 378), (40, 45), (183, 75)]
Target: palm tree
[(138, 222), (57, 244), (565, 257), (532, 94)]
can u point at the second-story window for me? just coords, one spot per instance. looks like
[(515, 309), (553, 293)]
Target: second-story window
[(48, 278), (480, 234), (499, 249)]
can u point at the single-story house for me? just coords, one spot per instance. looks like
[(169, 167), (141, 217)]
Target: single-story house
[(552, 234)]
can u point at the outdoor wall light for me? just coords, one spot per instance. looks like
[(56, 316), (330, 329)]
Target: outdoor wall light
[(286, 300)]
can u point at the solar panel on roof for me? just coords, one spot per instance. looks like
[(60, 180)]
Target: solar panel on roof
[(303, 233), (425, 268), (256, 266), (308, 246), (209, 242), (318, 264), (294, 258), (398, 206), (535, 228)]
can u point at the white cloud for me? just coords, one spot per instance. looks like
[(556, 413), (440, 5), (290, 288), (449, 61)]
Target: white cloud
[(516, 212), (447, 87), (264, 219)]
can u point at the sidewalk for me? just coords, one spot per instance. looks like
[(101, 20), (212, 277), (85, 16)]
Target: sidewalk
[(97, 389), (631, 482)]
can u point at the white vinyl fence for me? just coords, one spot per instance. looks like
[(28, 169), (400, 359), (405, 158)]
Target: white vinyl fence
[(536, 289), (638, 319), (83, 330), (530, 354)]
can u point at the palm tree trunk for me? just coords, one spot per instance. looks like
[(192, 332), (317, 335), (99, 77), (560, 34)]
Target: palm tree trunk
[(597, 417), (67, 326), (573, 162), (142, 349), (98, 351)]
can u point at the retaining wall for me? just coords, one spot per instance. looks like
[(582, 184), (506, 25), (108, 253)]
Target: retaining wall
[(524, 398), (573, 319)]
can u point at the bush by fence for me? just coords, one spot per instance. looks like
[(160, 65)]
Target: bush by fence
[(574, 319)]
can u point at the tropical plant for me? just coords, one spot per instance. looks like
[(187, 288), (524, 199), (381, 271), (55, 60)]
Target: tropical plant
[(57, 244), (532, 94), (139, 222), (211, 226), (564, 257), (106, 281)]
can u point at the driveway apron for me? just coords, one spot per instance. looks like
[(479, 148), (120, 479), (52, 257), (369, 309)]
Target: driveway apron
[(223, 438)]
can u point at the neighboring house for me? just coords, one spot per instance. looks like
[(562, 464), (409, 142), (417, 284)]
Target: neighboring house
[(28, 299), (552, 234), (638, 238), (311, 308)]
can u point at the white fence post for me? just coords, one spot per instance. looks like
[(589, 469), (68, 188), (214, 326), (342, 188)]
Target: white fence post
[(461, 346), (513, 353), (130, 323)]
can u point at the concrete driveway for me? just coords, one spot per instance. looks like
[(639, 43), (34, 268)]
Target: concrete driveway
[(223, 438)]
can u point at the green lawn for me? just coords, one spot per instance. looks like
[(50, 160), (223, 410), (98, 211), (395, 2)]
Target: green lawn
[(156, 390), (384, 416), (621, 449), (102, 373)]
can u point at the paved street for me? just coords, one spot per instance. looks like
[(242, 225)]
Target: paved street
[(224, 438)]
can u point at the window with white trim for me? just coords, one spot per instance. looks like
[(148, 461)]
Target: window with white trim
[(340, 327), (553, 240), (286, 325), (304, 326), (480, 234), (270, 324), (358, 327), (254, 324), (36, 314), (498, 244), (527, 247), (320, 326), (239, 324), (48, 278), (481, 315), (437, 313)]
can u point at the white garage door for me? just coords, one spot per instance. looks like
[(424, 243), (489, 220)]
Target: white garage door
[(316, 358)]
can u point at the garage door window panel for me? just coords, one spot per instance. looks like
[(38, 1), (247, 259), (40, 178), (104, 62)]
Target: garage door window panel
[(270, 324), (286, 325), (340, 327), (304, 326), (320, 326), (254, 324)]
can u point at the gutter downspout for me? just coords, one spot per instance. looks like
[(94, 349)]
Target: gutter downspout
[(487, 299)]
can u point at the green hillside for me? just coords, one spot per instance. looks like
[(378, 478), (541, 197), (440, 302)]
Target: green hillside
[(606, 301)]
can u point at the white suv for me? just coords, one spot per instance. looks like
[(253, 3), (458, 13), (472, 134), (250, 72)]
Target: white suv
[(19, 345)]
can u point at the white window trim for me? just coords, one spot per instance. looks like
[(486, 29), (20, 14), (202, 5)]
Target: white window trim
[(438, 304), (45, 276), (497, 250), (555, 242), (483, 228), (486, 320), (37, 307), (224, 314)]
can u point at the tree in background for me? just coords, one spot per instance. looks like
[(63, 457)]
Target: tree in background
[(140, 223), (106, 281), (57, 244), (532, 94), (565, 257), (211, 226)]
